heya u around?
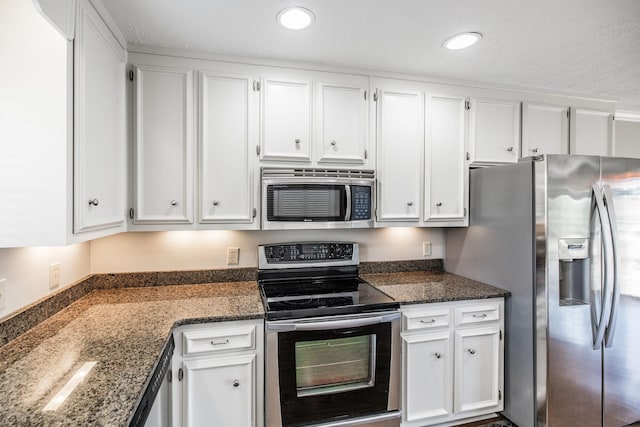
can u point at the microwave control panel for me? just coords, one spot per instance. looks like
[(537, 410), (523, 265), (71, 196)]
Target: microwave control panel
[(360, 203), (296, 252)]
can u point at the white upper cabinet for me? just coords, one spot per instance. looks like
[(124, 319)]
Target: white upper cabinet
[(342, 111), (163, 154), (227, 110), (400, 140), (494, 134), (446, 171), (99, 124), (285, 125), (545, 129), (591, 132), (627, 135)]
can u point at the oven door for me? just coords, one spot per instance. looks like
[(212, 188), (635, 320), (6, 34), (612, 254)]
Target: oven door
[(332, 369)]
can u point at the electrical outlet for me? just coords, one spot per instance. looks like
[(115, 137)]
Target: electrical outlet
[(426, 248), (3, 293), (233, 256), (54, 275)]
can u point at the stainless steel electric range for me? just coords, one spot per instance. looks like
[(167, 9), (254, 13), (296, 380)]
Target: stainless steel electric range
[(332, 340)]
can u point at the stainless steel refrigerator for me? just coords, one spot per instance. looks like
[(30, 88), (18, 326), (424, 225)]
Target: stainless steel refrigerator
[(562, 233)]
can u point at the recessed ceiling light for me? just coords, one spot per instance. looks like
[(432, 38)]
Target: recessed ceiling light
[(463, 40), (295, 18)]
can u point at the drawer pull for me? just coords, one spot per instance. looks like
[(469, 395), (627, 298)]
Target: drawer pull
[(438, 355), (428, 321), (220, 342), (480, 316), (236, 383), (471, 351)]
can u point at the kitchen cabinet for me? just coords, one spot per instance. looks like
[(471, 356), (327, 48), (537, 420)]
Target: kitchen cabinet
[(400, 142), (453, 361), (219, 369), (494, 131), (627, 135), (446, 169), (313, 118), (545, 129), (591, 132), (227, 177), (99, 124), (163, 153)]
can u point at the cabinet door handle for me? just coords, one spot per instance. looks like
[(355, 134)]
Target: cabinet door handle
[(480, 316), (215, 203), (471, 351), (428, 321), (534, 150), (297, 141), (333, 142), (439, 204), (220, 342), (94, 202), (236, 383), (438, 355), (174, 203), (510, 149), (409, 203)]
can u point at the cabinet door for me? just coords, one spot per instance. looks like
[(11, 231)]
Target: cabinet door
[(494, 131), (99, 124), (545, 129), (342, 122), (477, 369), (445, 165), (163, 145), (428, 376), (220, 390), (400, 129), (286, 120), (226, 138), (591, 132), (627, 135)]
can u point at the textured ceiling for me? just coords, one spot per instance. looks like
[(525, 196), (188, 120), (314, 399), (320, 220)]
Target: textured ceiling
[(589, 47)]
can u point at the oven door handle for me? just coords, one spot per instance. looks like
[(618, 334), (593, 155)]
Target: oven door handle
[(332, 324)]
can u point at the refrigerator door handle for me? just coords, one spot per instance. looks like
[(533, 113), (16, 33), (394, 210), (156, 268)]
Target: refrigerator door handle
[(599, 322), (613, 226)]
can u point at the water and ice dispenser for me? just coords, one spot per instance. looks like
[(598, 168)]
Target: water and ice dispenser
[(575, 270)]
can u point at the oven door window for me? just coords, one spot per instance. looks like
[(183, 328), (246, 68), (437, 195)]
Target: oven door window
[(335, 365), (306, 202), (338, 373)]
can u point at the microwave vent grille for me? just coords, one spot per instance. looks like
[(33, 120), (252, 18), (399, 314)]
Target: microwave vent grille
[(317, 173)]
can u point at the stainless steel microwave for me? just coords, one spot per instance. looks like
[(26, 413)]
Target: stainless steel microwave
[(317, 198)]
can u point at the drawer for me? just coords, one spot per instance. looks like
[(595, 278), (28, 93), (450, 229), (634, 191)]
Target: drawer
[(477, 314), (218, 340), (425, 319)]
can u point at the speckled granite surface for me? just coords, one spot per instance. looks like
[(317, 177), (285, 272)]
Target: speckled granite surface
[(426, 286), (124, 331)]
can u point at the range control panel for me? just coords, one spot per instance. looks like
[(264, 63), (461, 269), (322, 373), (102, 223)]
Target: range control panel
[(287, 253)]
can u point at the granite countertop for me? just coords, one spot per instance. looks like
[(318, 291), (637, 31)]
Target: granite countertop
[(417, 287), (124, 331)]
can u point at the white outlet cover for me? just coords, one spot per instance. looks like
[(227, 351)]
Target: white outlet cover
[(233, 256), (426, 248), (54, 275), (3, 293)]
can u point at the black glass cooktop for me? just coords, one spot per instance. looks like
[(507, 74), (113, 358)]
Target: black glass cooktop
[(322, 297)]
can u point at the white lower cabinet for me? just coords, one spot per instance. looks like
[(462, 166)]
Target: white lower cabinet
[(452, 362), (218, 374)]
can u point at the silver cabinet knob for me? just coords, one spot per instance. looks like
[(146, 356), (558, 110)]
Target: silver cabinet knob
[(215, 203), (438, 355), (94, 202), (510, 149), (439, 204), (534, 150), (471, 351), (333, 142), (236, 383), (409, 203), (174, 203), (297, 141)]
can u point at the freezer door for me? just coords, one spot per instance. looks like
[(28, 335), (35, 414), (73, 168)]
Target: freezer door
[(573, 283), (622, 339)]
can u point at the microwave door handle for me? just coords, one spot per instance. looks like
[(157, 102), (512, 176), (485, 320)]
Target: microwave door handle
[(347, 189)]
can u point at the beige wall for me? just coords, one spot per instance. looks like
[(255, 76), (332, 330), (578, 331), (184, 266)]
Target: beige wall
[(185, 250)]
